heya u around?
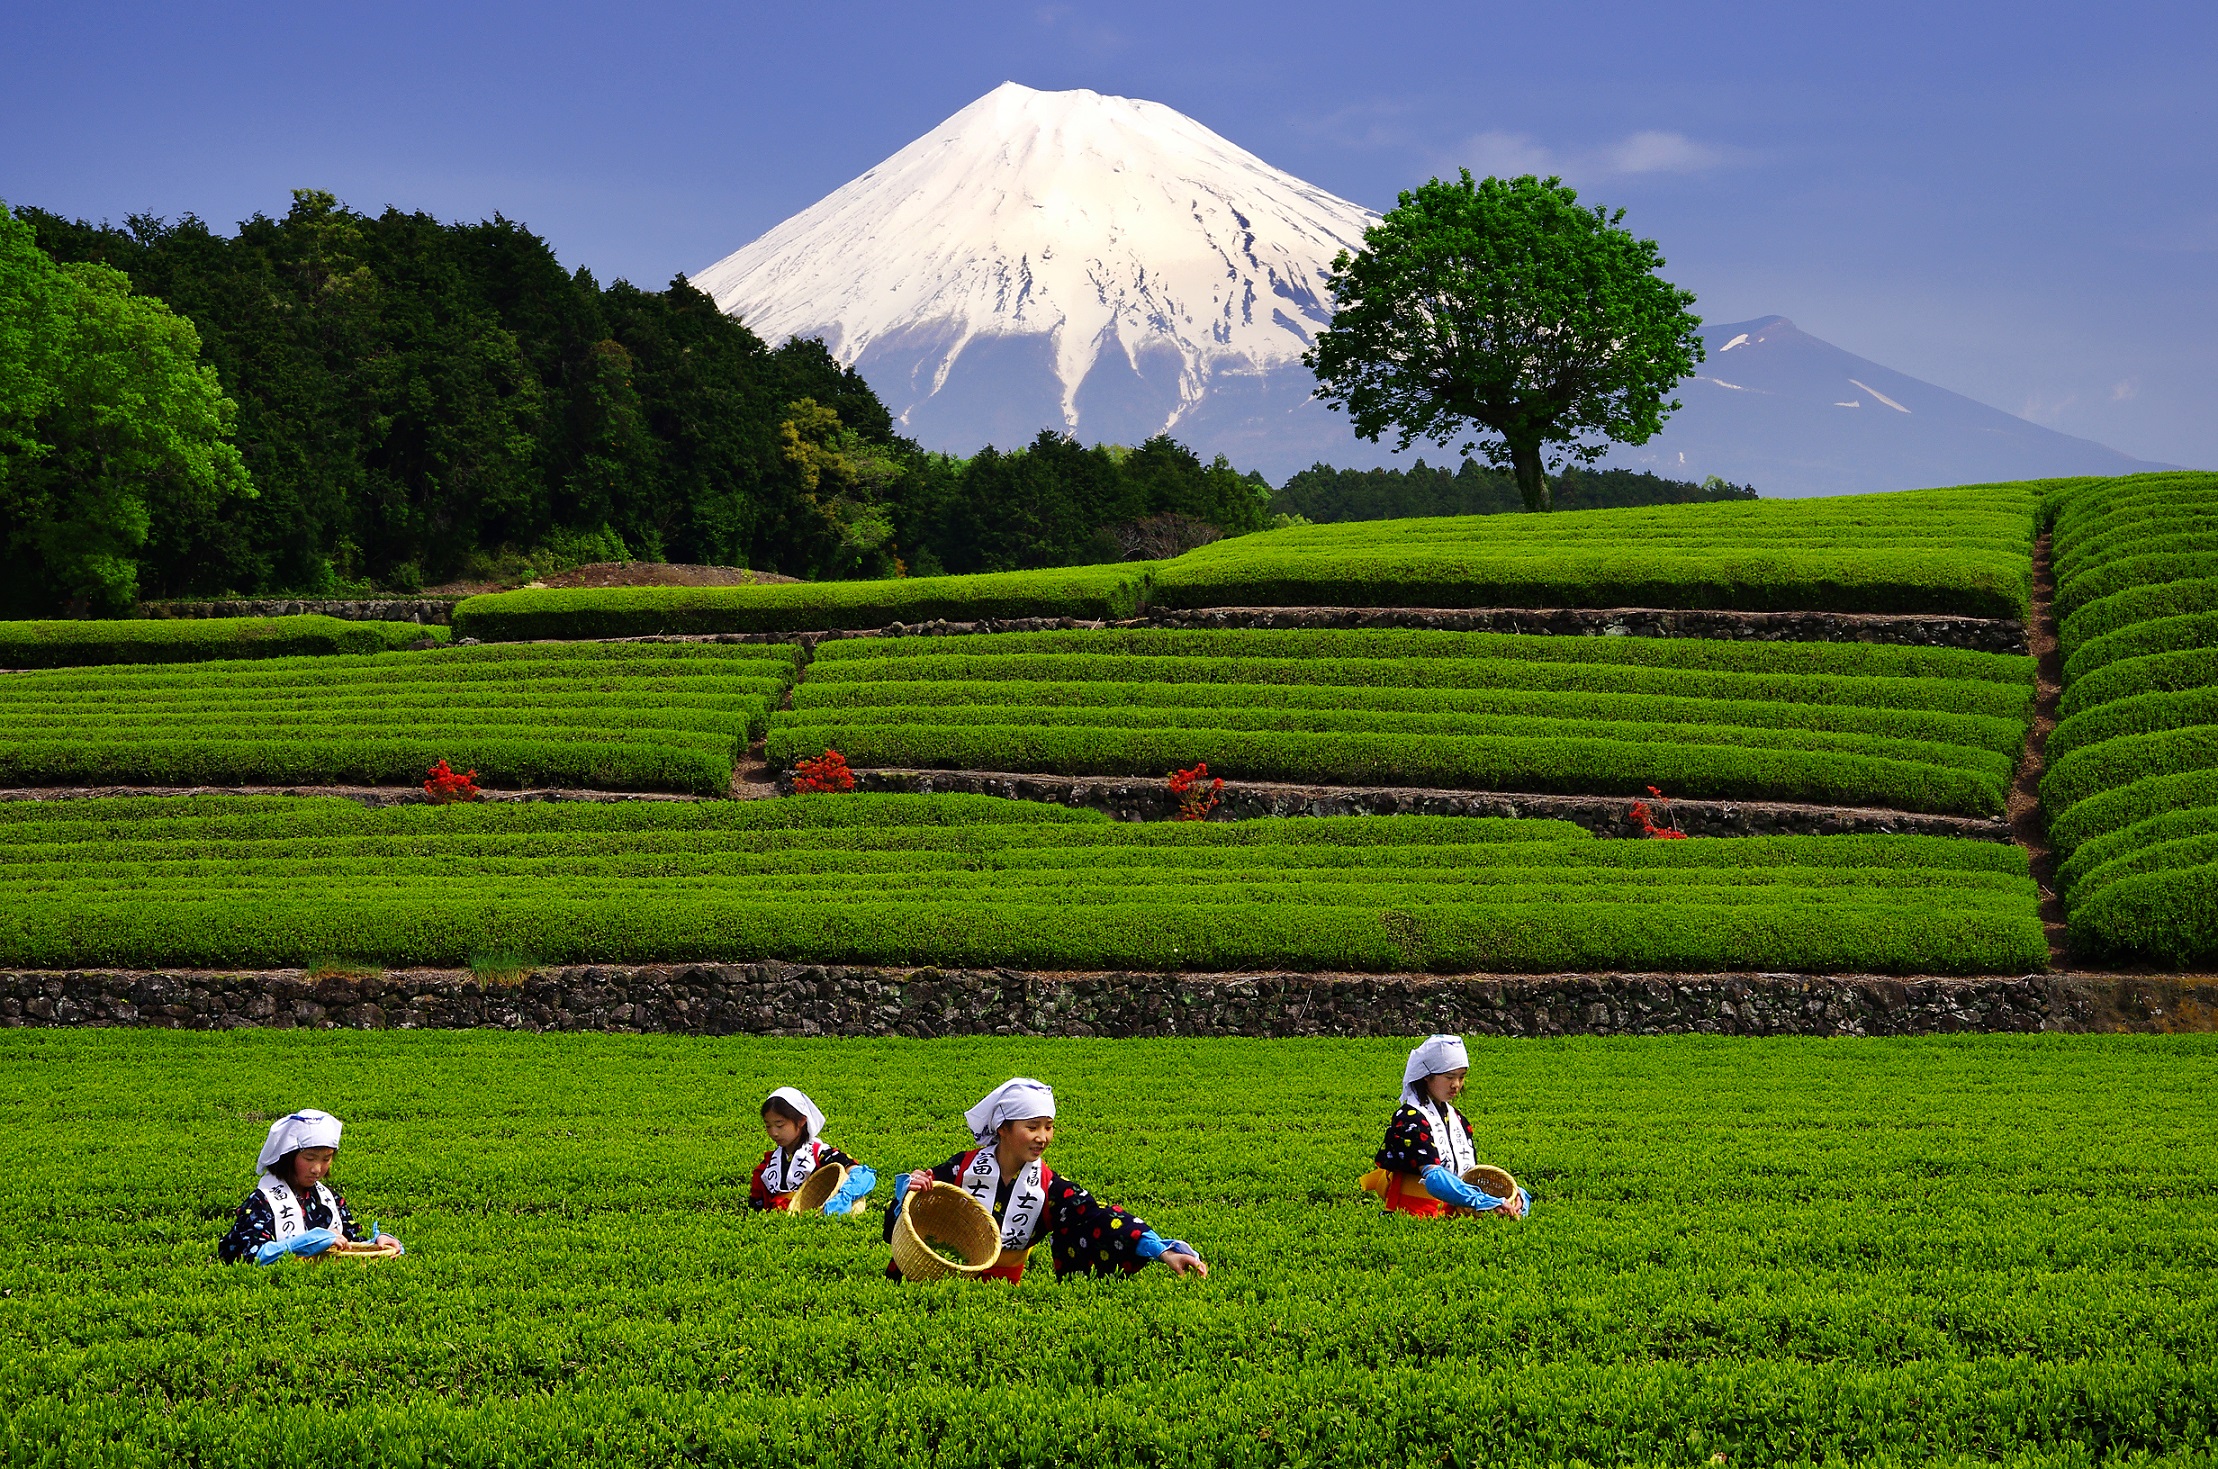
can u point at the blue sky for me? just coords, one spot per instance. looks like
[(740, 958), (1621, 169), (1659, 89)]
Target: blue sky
[(2016, 201)]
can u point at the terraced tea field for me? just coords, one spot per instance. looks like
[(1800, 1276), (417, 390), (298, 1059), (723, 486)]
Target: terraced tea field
[(1921, 729), (626, 717), (2132, 787), (1965, 550), (953, 881), (1985, 1251)]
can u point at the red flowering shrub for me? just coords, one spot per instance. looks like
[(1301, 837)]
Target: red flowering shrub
[(1645, 818), (1195, 800), (827, 772), (442, 786)]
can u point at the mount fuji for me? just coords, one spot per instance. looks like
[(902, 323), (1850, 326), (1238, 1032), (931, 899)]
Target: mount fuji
[(1112, 268)]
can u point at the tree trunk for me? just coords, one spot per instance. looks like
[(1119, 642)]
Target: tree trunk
[(1532, 478)]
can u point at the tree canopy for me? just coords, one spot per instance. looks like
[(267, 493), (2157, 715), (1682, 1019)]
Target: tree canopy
[(1504, 305), (420, 401), (109, 423)]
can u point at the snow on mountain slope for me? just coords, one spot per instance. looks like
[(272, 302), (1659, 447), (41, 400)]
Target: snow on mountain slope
[(1113, 268), (1793, 414), (1083, 261)]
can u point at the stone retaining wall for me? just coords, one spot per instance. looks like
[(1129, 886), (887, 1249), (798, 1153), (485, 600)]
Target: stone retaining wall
[(827, 1000), (371, 609), (1151, 800)]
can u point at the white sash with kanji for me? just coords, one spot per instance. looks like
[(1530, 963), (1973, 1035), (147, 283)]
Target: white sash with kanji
[(785, 1173), (1027, 1210), (289, 1217), (1457, 1153)]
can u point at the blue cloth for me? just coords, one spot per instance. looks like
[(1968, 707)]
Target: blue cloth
[(307, 1242), (1153, 1246), (860, 1181), (1449, 1189)]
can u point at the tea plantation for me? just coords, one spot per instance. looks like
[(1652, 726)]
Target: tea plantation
[(1966, 1250), (1982, 1250)]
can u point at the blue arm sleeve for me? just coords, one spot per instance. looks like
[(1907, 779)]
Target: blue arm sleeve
[(1153, 1246), (860, 1181), (1449, 1189)]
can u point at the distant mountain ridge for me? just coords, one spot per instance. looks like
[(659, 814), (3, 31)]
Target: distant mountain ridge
[(1792, 414), (1112, 268)]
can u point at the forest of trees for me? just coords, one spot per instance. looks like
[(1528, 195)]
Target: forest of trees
[(332, 404), (1322, 493)]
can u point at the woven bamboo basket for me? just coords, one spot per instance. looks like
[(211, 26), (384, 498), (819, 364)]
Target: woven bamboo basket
[(1496, 1181), (350, 1249), (953, 1219), (817, 1189)]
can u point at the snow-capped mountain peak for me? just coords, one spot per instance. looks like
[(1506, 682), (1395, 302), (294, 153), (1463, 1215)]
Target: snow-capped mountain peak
[(1121, 246)]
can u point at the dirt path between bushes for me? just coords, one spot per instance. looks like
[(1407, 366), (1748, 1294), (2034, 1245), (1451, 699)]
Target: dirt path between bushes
[(2028, 826)]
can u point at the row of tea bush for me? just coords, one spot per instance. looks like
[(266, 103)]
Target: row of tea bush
[(908, 880)]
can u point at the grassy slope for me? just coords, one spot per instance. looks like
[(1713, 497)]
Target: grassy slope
[(1767, 1251)]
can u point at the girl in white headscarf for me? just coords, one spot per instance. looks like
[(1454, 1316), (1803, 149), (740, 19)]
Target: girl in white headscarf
[(1008, 1175), (1428, 1145), (293, 1210), (798, 1149)]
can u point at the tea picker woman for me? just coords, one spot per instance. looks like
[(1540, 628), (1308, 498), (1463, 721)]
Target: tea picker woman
[(1008, 1175), (293, 1210), (797, 1150), (1428, 1145)]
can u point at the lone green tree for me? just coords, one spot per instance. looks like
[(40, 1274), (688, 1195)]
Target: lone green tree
[(1505, 305)]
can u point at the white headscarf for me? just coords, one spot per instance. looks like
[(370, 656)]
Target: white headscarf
[(792, 1097), (1434, 1054), (1018, 1097), (306, 1128)]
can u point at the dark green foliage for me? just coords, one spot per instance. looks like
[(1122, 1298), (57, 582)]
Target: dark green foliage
[(861, 884), (1056, 503), (413, 394), (193, 640), (1326, 495)]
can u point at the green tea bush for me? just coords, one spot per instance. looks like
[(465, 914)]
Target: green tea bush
[(1761, 1251), (2133, 715), (853, 880), (2173, 634), (1914, 728), (1093, 592), (193, 640), (1559, 764), (1961, 551), (1197, 704), (625, 717), (2133, 769), (2114, 576), (2124, 609)]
